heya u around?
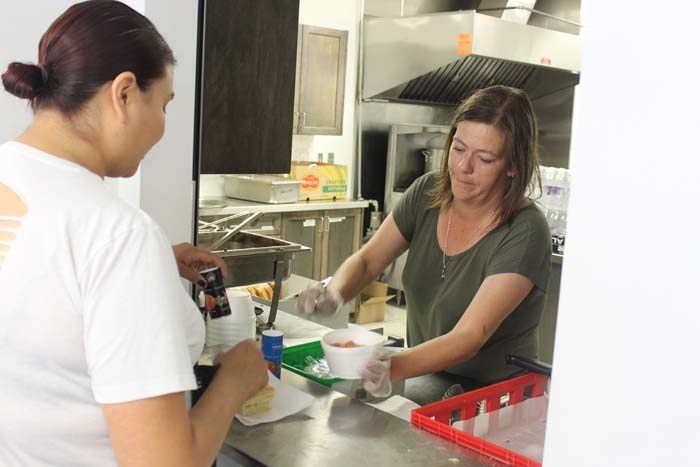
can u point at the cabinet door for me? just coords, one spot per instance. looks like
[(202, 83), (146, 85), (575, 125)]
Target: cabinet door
[(320, 81), (342, 238), (305, 228), (248, 63)]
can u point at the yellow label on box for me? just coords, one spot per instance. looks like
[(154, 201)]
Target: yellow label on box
[(320, 181)]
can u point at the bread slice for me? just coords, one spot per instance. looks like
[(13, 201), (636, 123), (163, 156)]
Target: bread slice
[(258, 290), (269, 290), (259, 403)]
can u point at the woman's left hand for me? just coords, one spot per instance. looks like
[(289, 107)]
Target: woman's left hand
[(191, 259), (376, 373)]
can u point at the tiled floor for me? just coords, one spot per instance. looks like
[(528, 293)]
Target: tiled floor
[(394, 323)]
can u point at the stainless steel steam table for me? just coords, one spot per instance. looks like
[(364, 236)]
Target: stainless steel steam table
[(340, 431)]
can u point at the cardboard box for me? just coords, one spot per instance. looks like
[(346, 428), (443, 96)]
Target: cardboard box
[(320, 181), (373, 303)]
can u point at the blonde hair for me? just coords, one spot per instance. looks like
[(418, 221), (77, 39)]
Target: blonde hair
[(510, 110)]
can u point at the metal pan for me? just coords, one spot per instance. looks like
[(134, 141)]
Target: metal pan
[(235, 230)]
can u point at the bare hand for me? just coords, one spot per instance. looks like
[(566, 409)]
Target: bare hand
[(246, 364), (191, 259)]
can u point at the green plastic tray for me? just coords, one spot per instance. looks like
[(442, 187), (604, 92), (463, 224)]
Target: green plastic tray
[(293, 360)]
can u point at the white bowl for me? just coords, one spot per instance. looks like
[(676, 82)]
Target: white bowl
[(347, 362)]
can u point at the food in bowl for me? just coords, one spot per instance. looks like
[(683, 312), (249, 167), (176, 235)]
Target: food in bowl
[(346, 344), (347, 360)]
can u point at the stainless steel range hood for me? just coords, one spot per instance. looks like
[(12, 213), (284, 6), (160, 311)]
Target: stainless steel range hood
[(442, 58)]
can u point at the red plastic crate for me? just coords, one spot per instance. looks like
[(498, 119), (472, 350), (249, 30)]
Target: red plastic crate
[(435, 417)]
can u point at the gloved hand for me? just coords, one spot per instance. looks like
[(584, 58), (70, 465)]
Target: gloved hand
[(318, 298), (377, 373)]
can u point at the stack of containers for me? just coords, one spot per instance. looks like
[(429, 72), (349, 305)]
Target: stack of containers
[(554, 201), (227, 331)]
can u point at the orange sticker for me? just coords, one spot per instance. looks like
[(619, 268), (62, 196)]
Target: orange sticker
[(545, 61), (12, 206), (464, 43), (310, 181)]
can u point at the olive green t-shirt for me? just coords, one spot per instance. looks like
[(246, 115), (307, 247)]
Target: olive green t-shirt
[(434, 306)]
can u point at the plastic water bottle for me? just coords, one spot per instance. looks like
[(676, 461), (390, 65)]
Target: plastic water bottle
[(555, 201)]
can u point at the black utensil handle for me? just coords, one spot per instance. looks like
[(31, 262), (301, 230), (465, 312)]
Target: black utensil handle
[(529, 364), (395, 341)]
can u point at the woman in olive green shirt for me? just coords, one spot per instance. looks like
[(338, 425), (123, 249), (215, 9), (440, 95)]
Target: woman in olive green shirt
[(479, 251)]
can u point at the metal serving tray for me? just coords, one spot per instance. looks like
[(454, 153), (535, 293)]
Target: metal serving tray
[(252, 258), (262, 188)]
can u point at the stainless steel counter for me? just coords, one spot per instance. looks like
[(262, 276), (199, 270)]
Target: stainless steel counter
[(337, 429), (340, 431), (226, 206)]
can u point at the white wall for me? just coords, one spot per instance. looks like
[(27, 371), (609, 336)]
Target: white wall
[(338, 14), (167, 191), (625, 370), (21, 27)]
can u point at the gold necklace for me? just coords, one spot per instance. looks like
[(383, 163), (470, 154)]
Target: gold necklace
[(443, 274)]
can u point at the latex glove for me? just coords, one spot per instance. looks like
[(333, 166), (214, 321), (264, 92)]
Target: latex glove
[(318, 298), (191, 259), (377, 373)]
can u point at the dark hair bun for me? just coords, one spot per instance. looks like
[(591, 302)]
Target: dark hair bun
[(24, 80)]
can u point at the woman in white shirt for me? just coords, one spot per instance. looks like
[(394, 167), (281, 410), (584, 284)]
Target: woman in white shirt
[(98, 333)]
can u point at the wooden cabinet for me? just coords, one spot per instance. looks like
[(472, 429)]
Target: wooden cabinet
[(333, 235), (247, 70), (342, 238), (320, 81), (305, 228)]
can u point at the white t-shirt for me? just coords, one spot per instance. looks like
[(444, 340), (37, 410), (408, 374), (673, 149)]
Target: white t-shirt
[(92, 311)]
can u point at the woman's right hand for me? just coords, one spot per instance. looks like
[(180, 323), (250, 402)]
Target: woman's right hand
[(246, 364), (318, 298)]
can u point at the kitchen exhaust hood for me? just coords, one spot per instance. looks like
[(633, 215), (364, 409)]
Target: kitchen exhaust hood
[(442, 58)]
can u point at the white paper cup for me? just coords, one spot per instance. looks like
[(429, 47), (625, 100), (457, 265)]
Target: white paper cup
[(241, 304), (229, 330)]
